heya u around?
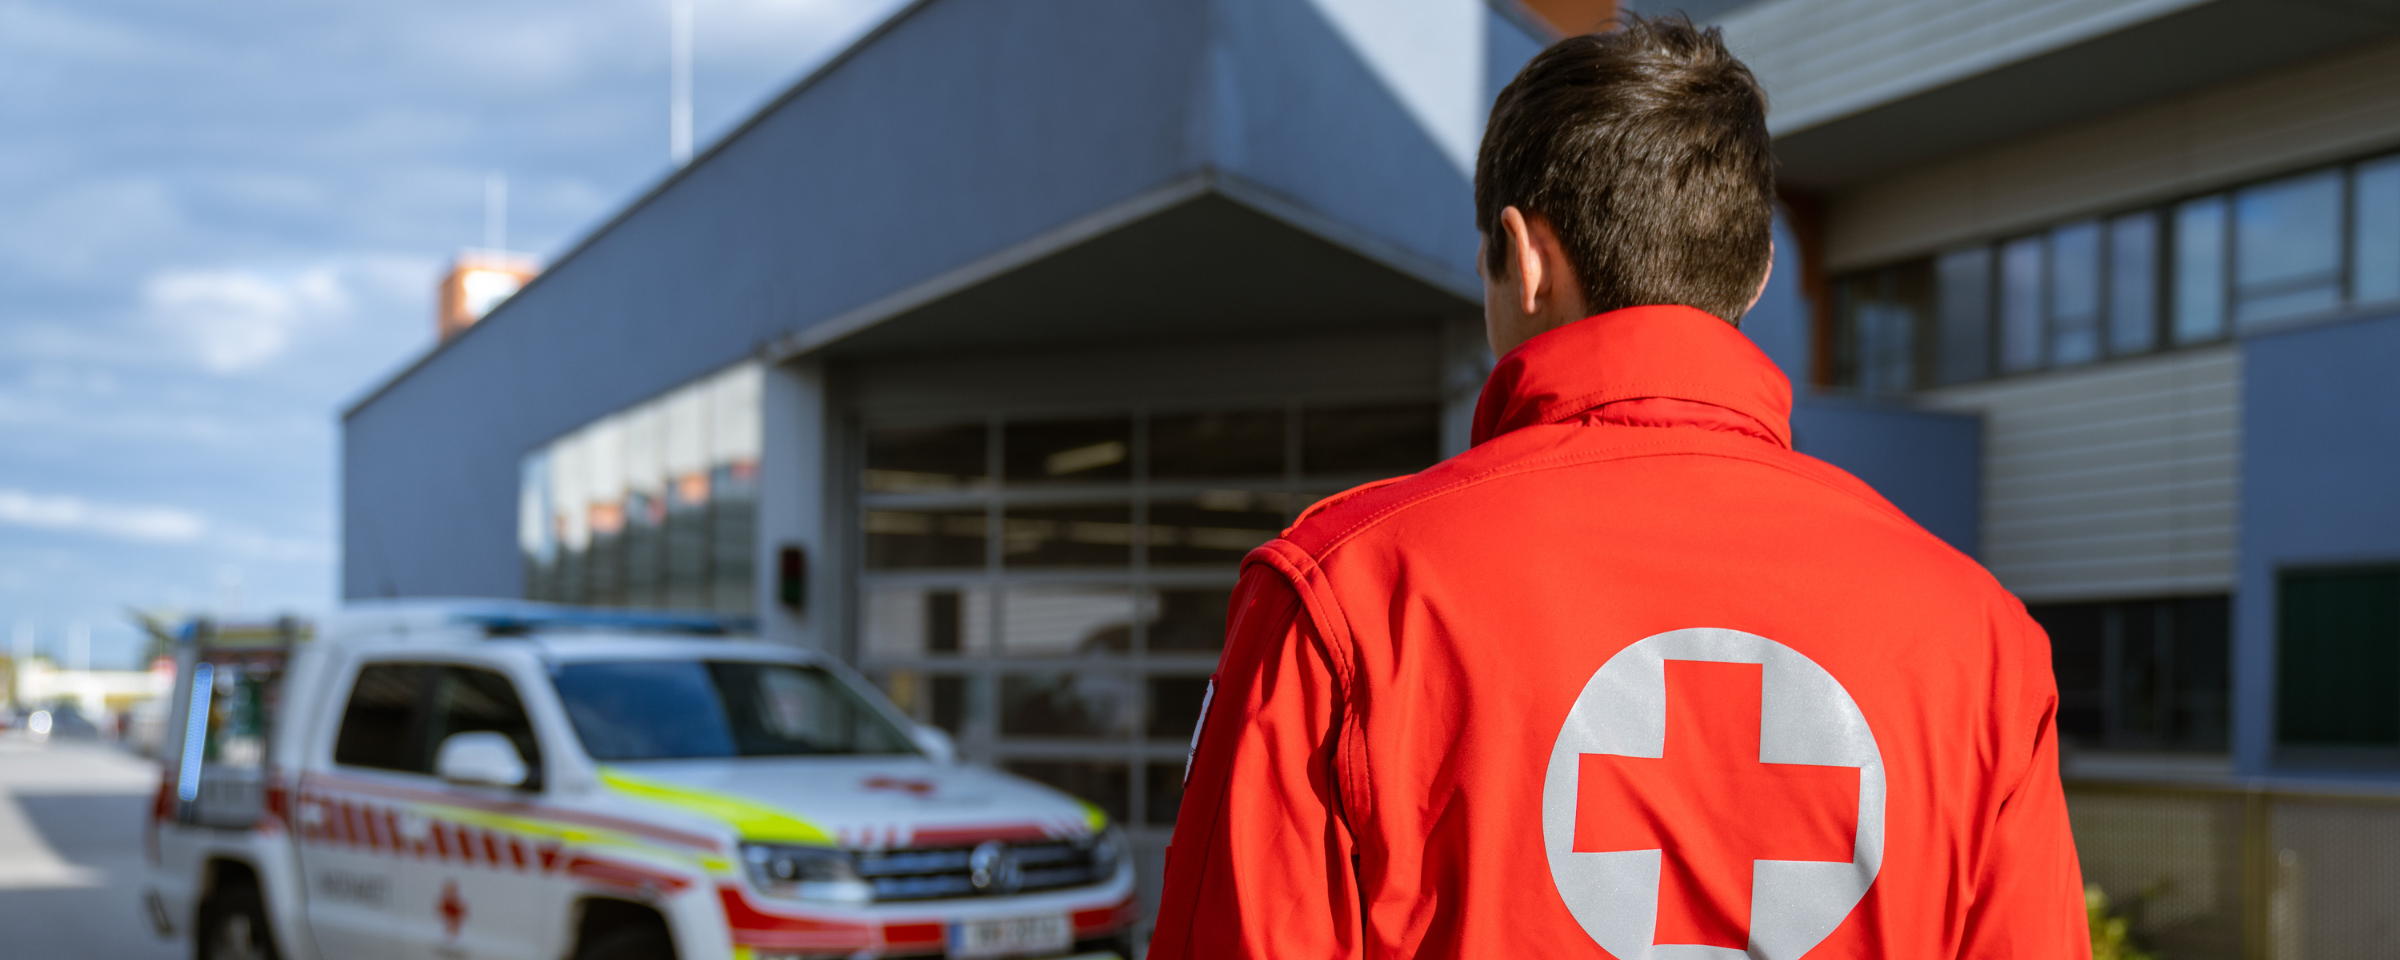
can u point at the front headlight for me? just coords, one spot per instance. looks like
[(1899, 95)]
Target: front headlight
[(1107, 849), (804, 873)]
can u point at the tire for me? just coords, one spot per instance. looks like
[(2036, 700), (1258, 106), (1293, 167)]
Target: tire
[(233, 925), (639, 942)]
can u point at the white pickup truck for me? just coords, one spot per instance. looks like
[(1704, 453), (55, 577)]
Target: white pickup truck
[(421, 780)]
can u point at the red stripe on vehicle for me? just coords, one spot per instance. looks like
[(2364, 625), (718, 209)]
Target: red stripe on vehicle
[(516, 854), (1105, 919), (619, 874), (753, 927), (927, 937), (534, 811), (967, 836)]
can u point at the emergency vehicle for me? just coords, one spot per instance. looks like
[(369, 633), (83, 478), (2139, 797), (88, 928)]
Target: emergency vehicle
[(419, 780)]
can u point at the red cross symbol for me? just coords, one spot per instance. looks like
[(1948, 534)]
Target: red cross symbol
[(1711, 806), (453, 909)]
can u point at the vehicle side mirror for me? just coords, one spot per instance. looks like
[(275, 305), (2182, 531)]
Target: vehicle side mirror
[(936, 743), (481, 758)]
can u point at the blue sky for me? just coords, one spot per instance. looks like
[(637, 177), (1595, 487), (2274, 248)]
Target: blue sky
[(220, 222)]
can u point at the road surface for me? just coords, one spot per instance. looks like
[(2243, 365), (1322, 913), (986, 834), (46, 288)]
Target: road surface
[(71, 853)]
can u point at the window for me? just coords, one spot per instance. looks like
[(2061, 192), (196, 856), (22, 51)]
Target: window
[(2075, 293), (656, 506), (720, 709), (381, 726), (2140, 674), (2288, 248), (399, 714), (2338, 659), (1053, 590), (2127, 284)]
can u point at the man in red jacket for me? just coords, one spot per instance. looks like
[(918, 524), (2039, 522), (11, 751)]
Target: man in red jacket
[(1629, 678)]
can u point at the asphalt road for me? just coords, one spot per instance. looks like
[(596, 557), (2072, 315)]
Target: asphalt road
[(71, 853)]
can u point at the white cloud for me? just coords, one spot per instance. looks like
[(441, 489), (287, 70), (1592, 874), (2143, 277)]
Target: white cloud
[(235, 320), (75, 514)]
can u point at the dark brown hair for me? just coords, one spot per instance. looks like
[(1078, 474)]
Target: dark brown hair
[(1646, 148)]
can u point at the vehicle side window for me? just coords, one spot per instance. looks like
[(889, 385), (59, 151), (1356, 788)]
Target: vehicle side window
[(382, 727), (471, 700)]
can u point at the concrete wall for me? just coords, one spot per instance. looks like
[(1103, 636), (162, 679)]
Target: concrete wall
[(2320, 484)]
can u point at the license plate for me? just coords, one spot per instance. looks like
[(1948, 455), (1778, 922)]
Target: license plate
[(1010, 936)]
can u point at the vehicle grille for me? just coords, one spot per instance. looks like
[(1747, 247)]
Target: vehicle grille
[(944, 872)]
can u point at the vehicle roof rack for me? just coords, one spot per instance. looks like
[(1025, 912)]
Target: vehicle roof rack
[(527, 621)]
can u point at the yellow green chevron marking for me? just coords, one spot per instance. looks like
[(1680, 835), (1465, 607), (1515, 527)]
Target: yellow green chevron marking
[(755, 821)]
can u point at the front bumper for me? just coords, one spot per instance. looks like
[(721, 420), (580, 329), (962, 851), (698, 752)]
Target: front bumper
[(764, 928)]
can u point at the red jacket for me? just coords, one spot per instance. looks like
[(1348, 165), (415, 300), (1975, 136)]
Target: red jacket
[(1629, 672)]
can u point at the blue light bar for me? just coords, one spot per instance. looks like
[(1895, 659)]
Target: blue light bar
[(195, 733), (532, 619)]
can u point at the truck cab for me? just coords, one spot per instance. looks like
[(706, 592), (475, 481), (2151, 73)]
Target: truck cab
[(421, 780)]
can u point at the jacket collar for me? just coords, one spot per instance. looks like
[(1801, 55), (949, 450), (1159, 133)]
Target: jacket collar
[(1669, 352)]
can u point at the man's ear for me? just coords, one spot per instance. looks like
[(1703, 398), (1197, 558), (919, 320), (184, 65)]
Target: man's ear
[(1762, 280), (1527, 258)]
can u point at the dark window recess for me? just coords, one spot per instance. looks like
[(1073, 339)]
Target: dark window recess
[(1190, 621), (2338, 658), (383, 725), (1214, 445), (1378, 441), (467, 700), (1066, 704), (2140, 674), (941, 621), (908, 459), (1069, 451), (948, 706), (924, 538), (1175, 706), (1104, 784), (1221, 527), (1886, 316), (1099, 535), (1164, 788)]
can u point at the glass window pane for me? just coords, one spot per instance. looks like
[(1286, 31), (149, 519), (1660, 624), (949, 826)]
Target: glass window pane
[(2133, 283), (921, 538), (2338, 665), (1084, 535), (1066, 621), (2200, 270), (939, 699), (2375, 231), (468, 700), (2021, 305), (904, 459), (917, 621), (1190, 620), (1174, 707), (1069, 451), (382, 723), (1067, 703), (723, 708), (1103, 784), (1965, 310), (2075, 293), (1163, 793), (1373, 441), (2288, 247), (1218, 527), (645, 506), (1246, 443), (2203, 683)]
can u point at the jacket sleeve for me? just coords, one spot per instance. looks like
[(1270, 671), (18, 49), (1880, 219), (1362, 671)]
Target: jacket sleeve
[(1261, 861), (2029, 884)]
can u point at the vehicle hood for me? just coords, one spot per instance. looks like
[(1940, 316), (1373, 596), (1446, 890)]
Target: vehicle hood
[(857, 802)]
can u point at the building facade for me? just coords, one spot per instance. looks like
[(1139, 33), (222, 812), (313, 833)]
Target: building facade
[(981, 356)]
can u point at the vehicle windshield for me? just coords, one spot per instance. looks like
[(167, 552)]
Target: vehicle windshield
[(678, 709)]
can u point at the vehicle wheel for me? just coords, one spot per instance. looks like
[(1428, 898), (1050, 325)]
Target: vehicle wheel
[(642, 942), (233, 926)]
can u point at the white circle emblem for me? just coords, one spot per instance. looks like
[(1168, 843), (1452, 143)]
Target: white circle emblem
[(1723, 765)]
